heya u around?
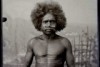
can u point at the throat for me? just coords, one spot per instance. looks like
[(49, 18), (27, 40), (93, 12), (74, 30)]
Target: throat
[(49, 37)]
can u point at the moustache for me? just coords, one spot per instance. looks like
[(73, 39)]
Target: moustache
[(50, 29)]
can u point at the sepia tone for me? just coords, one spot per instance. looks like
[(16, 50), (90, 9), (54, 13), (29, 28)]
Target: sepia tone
[(81, 30)]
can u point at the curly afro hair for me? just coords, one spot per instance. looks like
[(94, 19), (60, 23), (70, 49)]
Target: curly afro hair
[(42, 9)]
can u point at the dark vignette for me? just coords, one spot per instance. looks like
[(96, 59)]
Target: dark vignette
[(98, 18), (1, 21), (1, 60)]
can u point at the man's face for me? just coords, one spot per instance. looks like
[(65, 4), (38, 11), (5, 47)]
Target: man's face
[(48, 24)]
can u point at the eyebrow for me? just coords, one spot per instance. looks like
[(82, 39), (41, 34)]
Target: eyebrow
[(49, 20)]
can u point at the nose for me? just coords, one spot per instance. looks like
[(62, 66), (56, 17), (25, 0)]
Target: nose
[(48, 23)]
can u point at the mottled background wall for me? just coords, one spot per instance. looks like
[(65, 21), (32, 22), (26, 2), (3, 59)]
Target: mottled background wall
[(18, 28)]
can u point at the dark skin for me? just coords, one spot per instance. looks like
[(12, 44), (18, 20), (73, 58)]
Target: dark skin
[(49, 49)]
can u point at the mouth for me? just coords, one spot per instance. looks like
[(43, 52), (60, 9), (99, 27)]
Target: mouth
[(48, 29)]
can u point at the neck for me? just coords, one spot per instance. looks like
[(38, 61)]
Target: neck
[(49, 36)]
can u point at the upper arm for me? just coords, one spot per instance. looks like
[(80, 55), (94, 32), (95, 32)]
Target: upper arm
[(69, 55), (29, 54)]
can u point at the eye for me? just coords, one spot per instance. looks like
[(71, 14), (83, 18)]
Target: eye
[(45, 21), (52, 21)]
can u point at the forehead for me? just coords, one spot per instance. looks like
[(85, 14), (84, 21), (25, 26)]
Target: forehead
[(48, 16)]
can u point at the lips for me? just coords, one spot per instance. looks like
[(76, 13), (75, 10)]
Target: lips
[(48, 29)]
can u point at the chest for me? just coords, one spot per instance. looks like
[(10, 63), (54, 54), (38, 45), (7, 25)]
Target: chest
[(48, 48)]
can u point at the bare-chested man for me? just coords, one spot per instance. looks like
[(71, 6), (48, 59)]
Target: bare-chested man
[(49, 49)]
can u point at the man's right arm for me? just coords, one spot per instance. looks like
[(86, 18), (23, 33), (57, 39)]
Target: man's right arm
[(29, 55)]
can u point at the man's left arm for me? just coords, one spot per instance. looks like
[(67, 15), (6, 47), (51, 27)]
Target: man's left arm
[(69, 56)]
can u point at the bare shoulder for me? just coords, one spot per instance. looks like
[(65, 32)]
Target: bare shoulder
[(66, 42), (33, 40)]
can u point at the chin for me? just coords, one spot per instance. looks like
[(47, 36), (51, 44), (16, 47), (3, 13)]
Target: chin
[(49, 32)]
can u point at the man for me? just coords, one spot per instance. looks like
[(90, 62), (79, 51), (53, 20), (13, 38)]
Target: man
[(49, 49)]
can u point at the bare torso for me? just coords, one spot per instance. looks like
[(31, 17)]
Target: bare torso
[(49, 53)]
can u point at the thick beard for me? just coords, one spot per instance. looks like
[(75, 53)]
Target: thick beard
[(49, 32)]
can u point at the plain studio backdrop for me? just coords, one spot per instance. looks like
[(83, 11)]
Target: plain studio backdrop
[(18, 29)]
